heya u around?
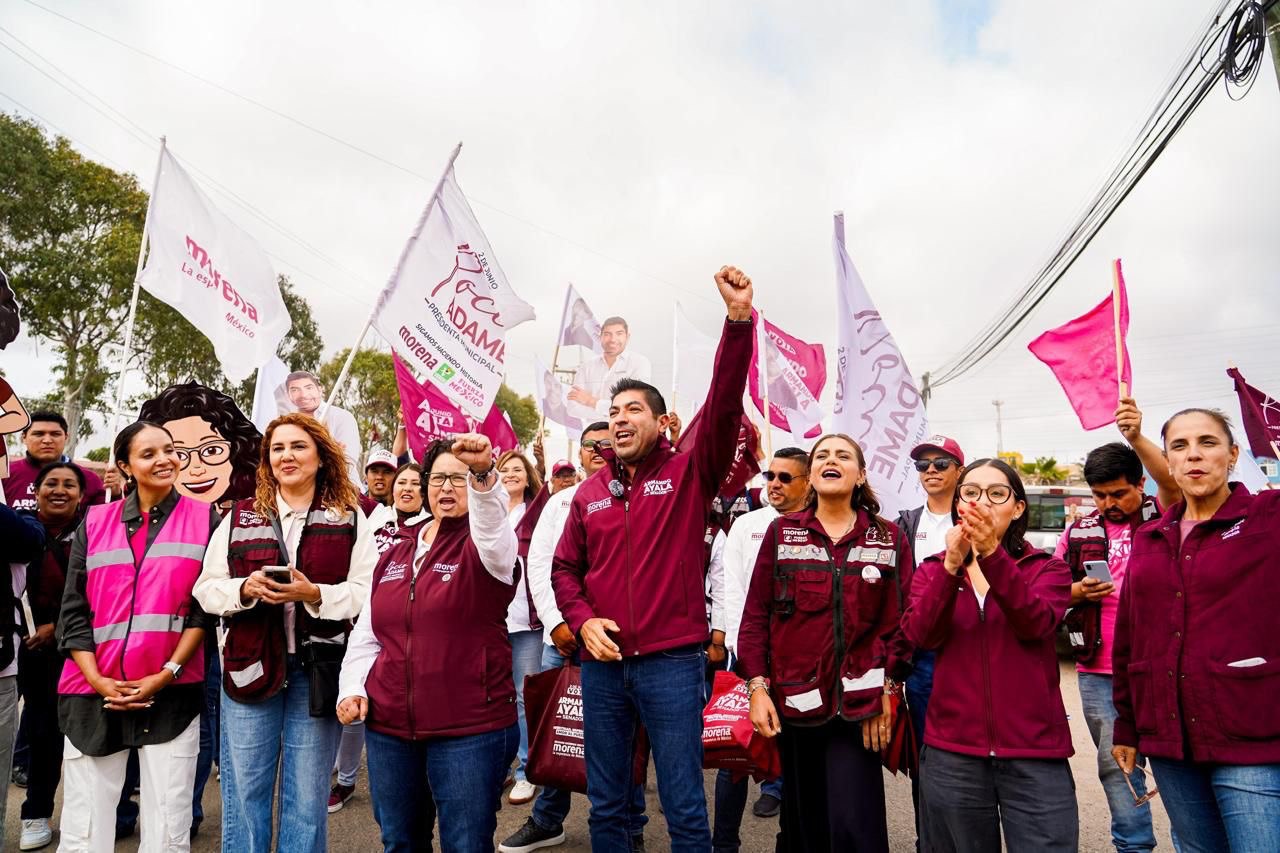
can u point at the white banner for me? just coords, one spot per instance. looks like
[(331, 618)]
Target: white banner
[(877, 402), (213, 274), (693, 355), (553, 397), (448, 306), (578, 324)]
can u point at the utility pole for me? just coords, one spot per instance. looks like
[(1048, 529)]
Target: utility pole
[(999, 428), (1273, 35)]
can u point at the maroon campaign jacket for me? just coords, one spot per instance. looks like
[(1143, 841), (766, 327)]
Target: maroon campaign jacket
[(995, 678), (638, 559), (445, 663), (1186, 615), (822, 618)]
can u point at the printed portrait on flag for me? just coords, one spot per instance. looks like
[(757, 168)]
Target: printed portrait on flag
[(578, 324), (589, 395), (218, 447), (553, 401), (13, 415)]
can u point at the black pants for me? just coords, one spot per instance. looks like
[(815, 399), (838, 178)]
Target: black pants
[(833, 799), (966, 800), (38, 673)]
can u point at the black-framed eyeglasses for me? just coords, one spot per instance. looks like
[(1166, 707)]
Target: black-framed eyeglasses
[(782, 477), (593, 443), (211, 453), (972, 493), (939, 464), (458, 481), (1139, 801)]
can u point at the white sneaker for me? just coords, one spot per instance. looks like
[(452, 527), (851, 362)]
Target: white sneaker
[(521, 792), (35, 833)]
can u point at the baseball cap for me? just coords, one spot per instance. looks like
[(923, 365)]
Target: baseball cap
[(564, 466), (380, 457), (942, 444)]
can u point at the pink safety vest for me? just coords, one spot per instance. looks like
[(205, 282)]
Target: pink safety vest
[(139, 607)]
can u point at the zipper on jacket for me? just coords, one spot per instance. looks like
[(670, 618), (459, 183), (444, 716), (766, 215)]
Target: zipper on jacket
[(986, 676), (408, 653), (626, 535)]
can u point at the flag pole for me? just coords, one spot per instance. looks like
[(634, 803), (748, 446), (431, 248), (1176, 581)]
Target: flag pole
[(368, 324), (762, 366), (1115, 312), (133, 311)]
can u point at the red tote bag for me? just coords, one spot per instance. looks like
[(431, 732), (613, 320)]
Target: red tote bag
[(728, 740)]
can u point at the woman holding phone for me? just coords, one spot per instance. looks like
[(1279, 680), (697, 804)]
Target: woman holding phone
[(288, 569), (134, 636), (996, 738)]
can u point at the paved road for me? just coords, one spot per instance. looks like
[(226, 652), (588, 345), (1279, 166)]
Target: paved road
[(353, 829)]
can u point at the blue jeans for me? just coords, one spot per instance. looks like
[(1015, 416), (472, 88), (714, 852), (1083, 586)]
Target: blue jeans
[(664, 692), (1130, 828), (1216, 807), (551, 809), (208, 725), (253, 738), (526, 659), (464, 775), (918, 687)]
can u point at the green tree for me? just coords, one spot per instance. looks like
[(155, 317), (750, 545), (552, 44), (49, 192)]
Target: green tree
[(369, 393), (1044, 471), (69, 233), (523, 412)]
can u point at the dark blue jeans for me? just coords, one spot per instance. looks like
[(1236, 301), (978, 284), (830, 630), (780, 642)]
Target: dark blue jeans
[(664, 692), (1220, 806), (552, 806), (918, 687), (209, 741), (463, 775)]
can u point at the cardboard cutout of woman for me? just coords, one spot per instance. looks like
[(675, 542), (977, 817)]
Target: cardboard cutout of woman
[(13, 415), (217, 445)]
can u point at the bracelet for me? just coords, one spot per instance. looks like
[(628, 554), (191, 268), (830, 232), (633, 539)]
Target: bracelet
[(755, 684), (892, 688), (481, 477)]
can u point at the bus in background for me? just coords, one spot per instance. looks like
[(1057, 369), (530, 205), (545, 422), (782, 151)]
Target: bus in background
[(1051, 509)]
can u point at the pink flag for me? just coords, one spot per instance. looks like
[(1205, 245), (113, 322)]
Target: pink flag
[(1260, 416), (1083, 355), (745, 465), (429, 415), (797, 372)]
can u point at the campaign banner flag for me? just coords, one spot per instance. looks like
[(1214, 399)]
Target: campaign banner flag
[(448, 306), (1260, 416), (1082, 355), (693, 355), (430, 415), (269, 396), (553, 398), (794, 375), (578, 325), (212, 273), (877, 400), (745, 465)]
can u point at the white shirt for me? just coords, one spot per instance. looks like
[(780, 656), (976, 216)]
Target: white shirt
[(494, 539), (715, 584), (931, 535), (542, 548), (741, 548), (18, 575), (219, 593), (518, 610), (596, 378)]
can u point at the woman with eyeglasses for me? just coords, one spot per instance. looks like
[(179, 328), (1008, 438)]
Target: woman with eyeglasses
[(428, 668), (1197, 655), (820, 642), (134, 634), (996, 739)]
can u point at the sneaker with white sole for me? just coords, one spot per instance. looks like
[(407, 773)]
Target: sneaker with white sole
[(531, 837), (522, 791), (35, 833)]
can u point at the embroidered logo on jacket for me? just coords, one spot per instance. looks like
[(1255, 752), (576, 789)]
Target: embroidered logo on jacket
[(445, 570), (394, 572), (1233, 530), (596, 506), (658, 487), (249, 518), (792, 535)]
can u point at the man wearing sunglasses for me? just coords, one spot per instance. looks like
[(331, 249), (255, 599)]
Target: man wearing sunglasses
[(939, 461)]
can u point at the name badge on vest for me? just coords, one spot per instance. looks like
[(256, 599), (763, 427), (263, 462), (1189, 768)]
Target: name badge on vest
[(870, 574)]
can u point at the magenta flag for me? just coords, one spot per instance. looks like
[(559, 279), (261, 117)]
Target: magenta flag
[(1082, 355), (794, 367), (1260, 416), (745, 465), (429, 415)]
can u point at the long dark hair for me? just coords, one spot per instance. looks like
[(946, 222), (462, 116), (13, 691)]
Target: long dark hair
[(192, 399), (1014, 539), (863, 497), (124, 442), (10, 316)]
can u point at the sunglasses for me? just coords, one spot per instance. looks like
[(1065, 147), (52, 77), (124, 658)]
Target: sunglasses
[(781, 476), (923, 465), (593, 443), (1139, 802)]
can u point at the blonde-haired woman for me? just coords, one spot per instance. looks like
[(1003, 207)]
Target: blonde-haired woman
[(289, 570)]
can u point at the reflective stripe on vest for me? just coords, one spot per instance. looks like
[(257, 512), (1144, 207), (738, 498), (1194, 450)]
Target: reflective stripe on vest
[(138, 611)]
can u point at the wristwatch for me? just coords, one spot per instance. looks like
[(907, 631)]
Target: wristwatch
[(175, 668)]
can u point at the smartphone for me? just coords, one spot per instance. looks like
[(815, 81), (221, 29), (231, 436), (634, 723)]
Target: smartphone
[(279, 574), (1098, 570)]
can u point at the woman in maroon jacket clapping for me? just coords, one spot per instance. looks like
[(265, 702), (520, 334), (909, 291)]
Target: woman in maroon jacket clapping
[(996, 738), (821, 622), (1197, 655), (428, 666)]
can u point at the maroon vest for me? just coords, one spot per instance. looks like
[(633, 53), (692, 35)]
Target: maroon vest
[(444, 668), (254, 657)]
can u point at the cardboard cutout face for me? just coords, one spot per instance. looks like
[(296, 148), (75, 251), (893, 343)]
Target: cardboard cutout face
[(13, 415), (218, 447)]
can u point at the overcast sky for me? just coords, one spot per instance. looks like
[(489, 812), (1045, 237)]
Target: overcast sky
[(633, 149)]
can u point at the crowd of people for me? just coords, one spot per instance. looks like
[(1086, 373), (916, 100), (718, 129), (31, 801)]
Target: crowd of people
[(285, 634)]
